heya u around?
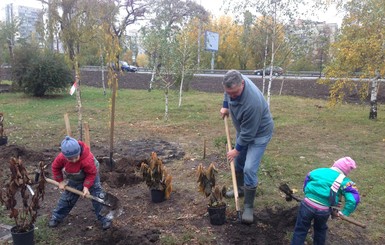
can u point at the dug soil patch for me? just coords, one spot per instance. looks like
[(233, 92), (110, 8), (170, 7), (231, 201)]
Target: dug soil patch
[(139, 221)]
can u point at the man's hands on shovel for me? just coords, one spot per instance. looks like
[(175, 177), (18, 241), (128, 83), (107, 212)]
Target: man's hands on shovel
[(233, 153)]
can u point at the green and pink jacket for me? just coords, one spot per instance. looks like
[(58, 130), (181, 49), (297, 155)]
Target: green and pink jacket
[(317, 188)]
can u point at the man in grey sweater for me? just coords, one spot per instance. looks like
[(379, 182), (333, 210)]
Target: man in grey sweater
[(254, 128)]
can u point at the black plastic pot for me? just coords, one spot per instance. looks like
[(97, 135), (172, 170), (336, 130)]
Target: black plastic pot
[(157, 196), (23, 238), (3, 140), (217, 214)]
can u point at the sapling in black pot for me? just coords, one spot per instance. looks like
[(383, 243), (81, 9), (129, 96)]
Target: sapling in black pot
[(19, 183), (207, 185), (157, 178)]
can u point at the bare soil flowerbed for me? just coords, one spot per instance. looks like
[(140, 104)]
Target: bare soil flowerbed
[(144, 222)]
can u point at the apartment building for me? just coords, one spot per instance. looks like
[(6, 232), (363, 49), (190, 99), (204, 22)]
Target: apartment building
[(28, 17)]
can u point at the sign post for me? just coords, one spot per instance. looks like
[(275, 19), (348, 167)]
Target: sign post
[(212, 44)]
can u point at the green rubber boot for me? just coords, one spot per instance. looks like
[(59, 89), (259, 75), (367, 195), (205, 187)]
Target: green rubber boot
[(239, 177), (248, 212)]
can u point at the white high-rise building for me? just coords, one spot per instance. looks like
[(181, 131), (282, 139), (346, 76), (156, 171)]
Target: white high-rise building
[(28, 17)]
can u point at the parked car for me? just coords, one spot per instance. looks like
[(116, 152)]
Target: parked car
[(126, 67), (277, 71)]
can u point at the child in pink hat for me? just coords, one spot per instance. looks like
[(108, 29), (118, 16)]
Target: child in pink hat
[(323, 188), (345, 164)]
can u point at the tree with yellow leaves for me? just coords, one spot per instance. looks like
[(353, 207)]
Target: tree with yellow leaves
[(359, 52)]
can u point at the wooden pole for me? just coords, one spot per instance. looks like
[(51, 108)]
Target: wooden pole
[(112, 123), (67, 123), (87, 134), (204, 149)]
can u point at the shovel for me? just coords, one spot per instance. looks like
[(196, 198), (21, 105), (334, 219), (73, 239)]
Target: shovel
[(289, 197), (109, 200), (233, 176), (111, 204)]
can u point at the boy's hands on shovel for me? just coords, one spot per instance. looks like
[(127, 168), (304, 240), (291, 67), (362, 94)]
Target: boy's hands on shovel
[(62, 185), (86, 191)]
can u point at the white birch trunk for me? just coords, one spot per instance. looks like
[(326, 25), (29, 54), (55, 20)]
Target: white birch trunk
[(153, 73), (103, 82), (181, 89), (264, 65), (373, 98), (166, 103), (183, 71), (79, 100)]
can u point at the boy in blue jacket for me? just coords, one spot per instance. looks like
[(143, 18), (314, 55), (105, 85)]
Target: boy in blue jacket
[(322, 188)]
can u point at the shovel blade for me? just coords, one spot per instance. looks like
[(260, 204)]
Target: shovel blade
[(285, 189), (111, 201), (111, 206), (288, 192)]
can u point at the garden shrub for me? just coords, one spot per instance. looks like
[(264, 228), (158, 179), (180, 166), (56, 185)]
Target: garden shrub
[(39, 71)]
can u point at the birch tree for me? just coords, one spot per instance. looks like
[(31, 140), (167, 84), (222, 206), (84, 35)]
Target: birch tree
[(76, 26), (8, 32), (186, 60), (359, 51), (280, 14), (160, 39)]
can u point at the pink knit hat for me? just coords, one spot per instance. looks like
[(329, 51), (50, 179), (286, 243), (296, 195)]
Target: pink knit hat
[(345, 164)]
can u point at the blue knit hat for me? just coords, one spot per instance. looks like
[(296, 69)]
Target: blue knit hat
[(70, 147)]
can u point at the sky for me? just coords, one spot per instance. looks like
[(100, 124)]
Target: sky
[(212, 5)]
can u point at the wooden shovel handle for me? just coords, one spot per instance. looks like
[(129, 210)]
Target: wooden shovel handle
[(80, 193), (68, 188), (350, 220), (235, 187)]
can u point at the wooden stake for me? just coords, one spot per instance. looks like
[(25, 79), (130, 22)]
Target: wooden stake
[(112, 123), (67, 123), (204, 149), (87, 134)]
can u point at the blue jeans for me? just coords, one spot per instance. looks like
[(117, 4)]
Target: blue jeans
[(248, 160), (68, 200), (305, 216)]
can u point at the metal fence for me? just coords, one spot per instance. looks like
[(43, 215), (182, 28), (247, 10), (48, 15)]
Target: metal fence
[(218, 71)]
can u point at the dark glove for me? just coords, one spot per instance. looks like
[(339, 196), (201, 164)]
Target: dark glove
[(335, 213)]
